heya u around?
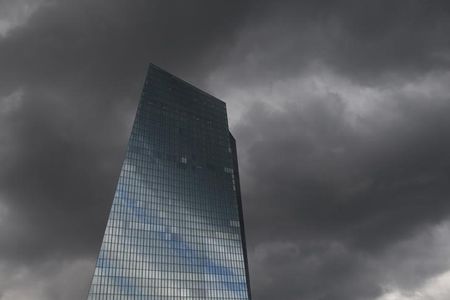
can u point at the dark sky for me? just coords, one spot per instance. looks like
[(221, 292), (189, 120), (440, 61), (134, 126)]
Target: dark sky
[(340, 110)]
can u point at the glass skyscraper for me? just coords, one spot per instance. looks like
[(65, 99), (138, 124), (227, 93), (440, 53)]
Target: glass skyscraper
[(175, 229)]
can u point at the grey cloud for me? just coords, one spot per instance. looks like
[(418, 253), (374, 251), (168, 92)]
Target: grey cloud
[(312, 177), (80, 67), (104, 45), (329, 269), (367, 41), (312, 270), (329, 178), (325, 200), (49, 280)]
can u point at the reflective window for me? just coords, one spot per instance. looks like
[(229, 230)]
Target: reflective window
[(174, 229)]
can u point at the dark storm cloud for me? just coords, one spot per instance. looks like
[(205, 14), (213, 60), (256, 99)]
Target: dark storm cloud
[(80, 67), (368, 41), (341, 181), (302, 270), (340, 195)]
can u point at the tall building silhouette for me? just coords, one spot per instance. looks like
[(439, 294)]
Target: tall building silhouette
[(175, 228)]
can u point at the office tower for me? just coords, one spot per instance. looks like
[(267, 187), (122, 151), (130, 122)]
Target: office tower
[(175, 228)]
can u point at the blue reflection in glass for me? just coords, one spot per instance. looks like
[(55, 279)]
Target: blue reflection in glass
[(173, 230)]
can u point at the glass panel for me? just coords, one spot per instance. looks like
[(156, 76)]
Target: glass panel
[(174, 230)]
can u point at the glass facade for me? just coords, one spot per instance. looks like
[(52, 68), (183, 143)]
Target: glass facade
[(175, 229)]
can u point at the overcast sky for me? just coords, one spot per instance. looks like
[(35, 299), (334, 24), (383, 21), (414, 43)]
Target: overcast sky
[(340, 110)]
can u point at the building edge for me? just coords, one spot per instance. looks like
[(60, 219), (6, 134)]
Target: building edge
[(241, 213)]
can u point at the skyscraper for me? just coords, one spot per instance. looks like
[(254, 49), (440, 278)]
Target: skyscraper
[(175, 228)]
